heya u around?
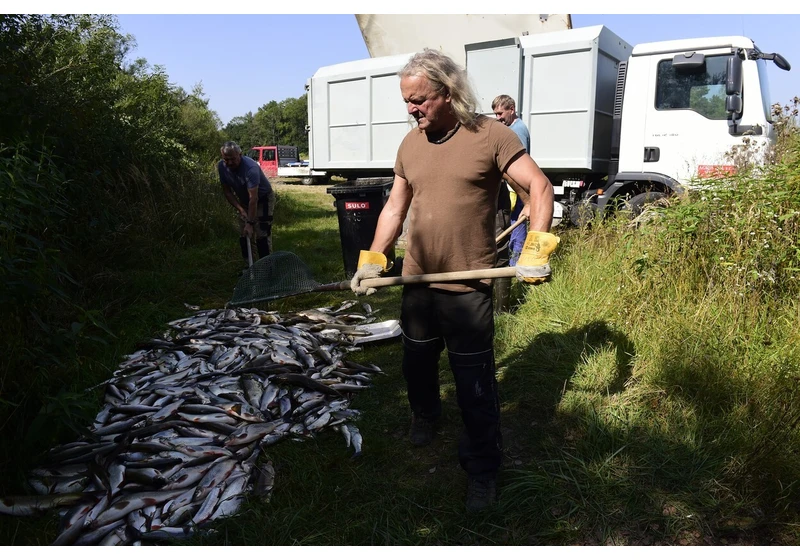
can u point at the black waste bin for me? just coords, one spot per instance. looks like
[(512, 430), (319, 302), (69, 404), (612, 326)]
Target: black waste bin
[(358, 205)]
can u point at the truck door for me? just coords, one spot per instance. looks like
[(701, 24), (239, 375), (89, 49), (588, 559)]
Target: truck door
[(269, 161), (494, 68), (686, 129)]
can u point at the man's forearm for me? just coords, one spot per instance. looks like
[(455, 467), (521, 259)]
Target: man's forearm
[(390, 221), (390, 225), (541, 206), (387, 231), (252, 207), (232, 200)]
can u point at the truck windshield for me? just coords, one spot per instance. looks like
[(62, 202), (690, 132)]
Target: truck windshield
[(701, 90)]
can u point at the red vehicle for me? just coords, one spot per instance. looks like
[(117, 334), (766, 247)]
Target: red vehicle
[(272, 157), (284, 161)]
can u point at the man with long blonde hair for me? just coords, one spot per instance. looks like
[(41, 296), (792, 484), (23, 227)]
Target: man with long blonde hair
[(447, 172)]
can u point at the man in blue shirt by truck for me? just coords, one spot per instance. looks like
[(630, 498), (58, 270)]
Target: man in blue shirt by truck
[(508, 212), (249, 191)]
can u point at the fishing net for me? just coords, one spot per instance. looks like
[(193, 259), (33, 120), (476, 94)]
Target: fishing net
[(278, 275)]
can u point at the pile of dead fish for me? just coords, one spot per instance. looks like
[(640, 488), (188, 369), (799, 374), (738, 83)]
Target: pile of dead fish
[(177, 442)]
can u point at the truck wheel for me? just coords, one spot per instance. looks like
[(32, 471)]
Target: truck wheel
[(582, 213), (307, 180), (637, 203)]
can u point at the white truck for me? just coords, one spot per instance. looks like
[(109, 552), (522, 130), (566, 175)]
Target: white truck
[(356, 116), (610, 123)]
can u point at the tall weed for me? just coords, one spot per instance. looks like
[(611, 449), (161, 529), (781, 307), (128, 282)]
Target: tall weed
[(702, 419)]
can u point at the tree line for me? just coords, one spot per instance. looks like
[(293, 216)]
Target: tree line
[(276, 122)]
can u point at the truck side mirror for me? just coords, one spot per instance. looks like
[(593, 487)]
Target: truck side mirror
[(781, 62), (733, 81), (733, 105)]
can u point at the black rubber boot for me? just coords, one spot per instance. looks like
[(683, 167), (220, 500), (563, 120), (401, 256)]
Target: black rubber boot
[(481, 493), (243, 245), (421, 371), (263, 247), (479, 448), (422, 430)]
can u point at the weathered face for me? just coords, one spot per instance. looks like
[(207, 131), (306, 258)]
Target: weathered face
[(505, 116), (430, 109), (231, 160)]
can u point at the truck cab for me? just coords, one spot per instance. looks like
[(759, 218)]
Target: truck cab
[(687, 105), (270, 158), (615, 125)]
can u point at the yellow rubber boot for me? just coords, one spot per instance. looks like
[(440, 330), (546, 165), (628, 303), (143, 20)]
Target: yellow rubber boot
[(533, 265)]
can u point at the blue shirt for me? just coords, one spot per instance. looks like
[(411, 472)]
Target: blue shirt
[(247, 176), (522, 131)]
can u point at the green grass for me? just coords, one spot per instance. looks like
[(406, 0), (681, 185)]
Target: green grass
[(644, 399)]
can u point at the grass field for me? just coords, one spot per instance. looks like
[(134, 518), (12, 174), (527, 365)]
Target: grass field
[(625, 419)]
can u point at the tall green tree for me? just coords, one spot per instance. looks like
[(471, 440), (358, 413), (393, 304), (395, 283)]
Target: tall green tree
[(200, 125), (275, 122), (242, 130), (295, 118)]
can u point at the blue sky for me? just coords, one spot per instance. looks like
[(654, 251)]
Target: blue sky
[(244, 61)]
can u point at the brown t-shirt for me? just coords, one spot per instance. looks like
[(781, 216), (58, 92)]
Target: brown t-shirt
[(454, 185)]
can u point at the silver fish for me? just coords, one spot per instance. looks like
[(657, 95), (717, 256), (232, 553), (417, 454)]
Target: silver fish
[(73, 524), (124, 505), (94, 536), (187, 477), (186, 417), (317, 424), (30, 505), (178, 502), (209, 505), (356, 439), (345, 433), (169, 533), (265, 480), (251, 432), (114, 538), (215, 475), (166, 412)]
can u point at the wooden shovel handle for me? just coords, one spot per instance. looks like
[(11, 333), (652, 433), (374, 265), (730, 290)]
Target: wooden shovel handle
[(480, 274)]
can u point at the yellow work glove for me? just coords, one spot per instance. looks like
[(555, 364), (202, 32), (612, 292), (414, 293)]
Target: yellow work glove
[(533, 265), (374, 257), (370, 265)]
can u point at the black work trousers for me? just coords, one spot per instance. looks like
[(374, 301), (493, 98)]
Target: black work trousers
[(433, 320), (263, 229)]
